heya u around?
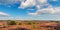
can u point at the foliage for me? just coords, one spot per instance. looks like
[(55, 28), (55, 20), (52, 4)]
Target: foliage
[(34, 26), (29, 23), (34, 23), (57, 21), (20, 23), (11, 23)]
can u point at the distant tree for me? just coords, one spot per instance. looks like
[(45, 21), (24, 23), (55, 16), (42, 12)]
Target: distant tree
[(29, 23), (20, 23), (22, 29), (34, 23), (51, 21), (11, 23)]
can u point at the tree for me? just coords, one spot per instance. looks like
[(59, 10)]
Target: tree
[(11, 23), (29, 23), (20, 23)]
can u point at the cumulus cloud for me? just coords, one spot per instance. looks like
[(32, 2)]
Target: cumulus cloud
[(39, 5), (29, 3), (50, 10)]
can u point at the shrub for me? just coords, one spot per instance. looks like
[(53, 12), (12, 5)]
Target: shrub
[(34, 23), (11, 23), (29, 23), (20, 23), (57, 21), (34, 26)]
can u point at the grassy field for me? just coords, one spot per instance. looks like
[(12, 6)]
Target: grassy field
[(29, 25)]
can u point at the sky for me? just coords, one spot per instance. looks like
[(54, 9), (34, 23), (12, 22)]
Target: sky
[(29, 9)]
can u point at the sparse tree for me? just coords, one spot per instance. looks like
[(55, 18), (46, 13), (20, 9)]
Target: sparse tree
[(20, 23), (11, 23), (29, 23)]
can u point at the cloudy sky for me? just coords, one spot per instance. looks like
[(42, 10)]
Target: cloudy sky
[(30, 9)]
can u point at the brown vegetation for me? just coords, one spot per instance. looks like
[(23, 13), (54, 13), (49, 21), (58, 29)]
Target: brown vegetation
[(29, 25)]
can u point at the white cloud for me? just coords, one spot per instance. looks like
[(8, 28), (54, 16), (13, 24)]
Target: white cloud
[(8, 2), (39, 4), (34, 14), (3, 14), (29, 3), (57, 10), (49, 10), (41, 1), (54, 0)]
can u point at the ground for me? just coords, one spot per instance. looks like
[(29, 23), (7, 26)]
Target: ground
[(29, 25)]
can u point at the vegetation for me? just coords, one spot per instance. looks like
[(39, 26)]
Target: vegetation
[(34, 23), (20, 23), (29, 23), (34, 26), (57, 21), (11, 23)]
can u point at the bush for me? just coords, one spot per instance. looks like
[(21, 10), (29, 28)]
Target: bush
[(11, 23), (20, 23), (57, 21), (29, 23), (34, 26), (34, 23)]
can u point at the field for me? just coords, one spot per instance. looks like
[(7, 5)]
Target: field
[(29, 25)]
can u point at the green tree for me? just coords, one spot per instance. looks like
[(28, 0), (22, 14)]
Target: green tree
[(11, 23), (29, 23)]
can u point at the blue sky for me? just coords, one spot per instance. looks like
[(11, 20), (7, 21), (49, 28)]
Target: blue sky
[(30, 9)]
